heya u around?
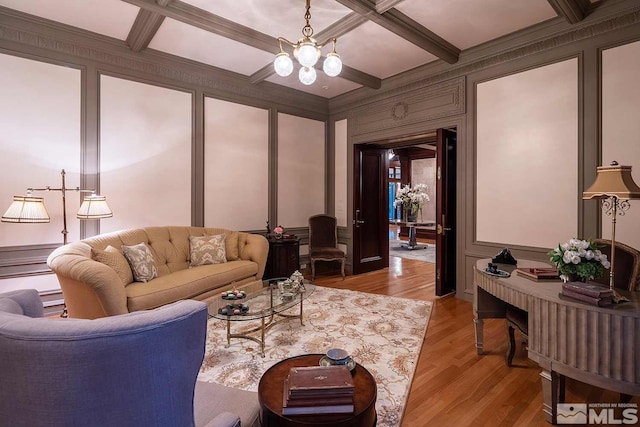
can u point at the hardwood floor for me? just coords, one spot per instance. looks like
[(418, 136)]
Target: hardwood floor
[(452, 385)]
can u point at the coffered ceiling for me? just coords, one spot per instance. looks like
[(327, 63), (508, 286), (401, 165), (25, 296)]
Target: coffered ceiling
[(376, 39)]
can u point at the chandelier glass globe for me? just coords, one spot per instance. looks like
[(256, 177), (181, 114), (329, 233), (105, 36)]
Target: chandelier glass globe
[(283, 65), (308, 54), (332, 65), (307, 75)]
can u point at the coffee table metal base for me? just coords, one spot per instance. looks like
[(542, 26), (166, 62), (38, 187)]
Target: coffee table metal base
[(264, 326)]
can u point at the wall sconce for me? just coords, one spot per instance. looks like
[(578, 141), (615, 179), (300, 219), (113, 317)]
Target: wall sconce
[(31, 210)]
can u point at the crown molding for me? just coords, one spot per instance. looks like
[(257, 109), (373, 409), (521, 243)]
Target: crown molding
[(551, 34)]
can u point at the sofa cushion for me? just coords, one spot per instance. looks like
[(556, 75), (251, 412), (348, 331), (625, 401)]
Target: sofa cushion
[(187, 283), (113, 258), (204, 250), (141, 261), (211, 399)]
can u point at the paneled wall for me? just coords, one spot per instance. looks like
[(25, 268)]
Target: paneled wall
[(527, 157), (40, 122), (621, 128), (236, 169), (145, 154)]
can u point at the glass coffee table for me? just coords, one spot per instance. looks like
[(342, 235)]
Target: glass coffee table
[(266, 304)]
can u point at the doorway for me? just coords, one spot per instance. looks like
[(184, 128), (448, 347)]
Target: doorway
[(375, 181)]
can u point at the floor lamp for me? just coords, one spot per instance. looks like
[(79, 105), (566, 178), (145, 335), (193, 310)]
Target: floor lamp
[(31, 210), (615, 187)]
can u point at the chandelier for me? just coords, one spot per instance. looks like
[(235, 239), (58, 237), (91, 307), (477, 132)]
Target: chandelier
[(307, 52)]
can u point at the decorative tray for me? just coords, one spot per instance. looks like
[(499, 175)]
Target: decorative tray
[(498, 273), (233, 309), (233, 295)]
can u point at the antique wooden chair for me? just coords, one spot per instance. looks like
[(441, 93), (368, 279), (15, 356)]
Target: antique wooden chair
[(323, 242)]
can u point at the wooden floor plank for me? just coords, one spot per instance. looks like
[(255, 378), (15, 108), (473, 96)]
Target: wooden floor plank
[(452, 385)]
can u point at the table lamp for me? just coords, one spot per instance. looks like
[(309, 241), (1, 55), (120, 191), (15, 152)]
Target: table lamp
[(615, 187)]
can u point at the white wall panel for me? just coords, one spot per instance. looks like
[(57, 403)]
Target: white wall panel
[(145, 154), (341, 202), (621, 129), (527, 157), (301, 170), (236, 165), (40, 122)]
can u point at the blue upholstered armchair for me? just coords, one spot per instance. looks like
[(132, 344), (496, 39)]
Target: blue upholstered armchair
[(136, 369)]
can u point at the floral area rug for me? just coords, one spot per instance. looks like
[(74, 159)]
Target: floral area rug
[(384, 334), (427, 253)]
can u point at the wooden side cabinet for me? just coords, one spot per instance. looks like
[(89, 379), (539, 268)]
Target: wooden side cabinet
[(284, 257)]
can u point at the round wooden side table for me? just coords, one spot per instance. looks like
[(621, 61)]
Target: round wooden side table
[(271, 388)]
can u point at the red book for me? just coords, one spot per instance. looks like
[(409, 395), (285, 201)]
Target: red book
[(538, 273), (600, 302), (592, 290), (320, 380)]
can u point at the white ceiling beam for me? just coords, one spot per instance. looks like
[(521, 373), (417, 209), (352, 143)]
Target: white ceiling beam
[(571, 10), (207, 21), (145, 28), (400, 24)]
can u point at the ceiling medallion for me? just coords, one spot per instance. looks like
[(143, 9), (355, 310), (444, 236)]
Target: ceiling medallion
[(307, 52), (400, 110)]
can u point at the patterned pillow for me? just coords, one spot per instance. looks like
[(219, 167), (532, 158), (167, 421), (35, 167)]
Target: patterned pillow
[(113, 258), (140, 258), (207, 250)]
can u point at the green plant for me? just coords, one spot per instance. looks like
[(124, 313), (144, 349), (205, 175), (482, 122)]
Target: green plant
[(580, 258)]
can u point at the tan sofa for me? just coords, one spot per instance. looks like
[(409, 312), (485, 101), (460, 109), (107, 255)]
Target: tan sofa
[(92, 289)]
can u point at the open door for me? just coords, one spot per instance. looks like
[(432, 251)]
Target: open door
[(370, 209), (446, 212)]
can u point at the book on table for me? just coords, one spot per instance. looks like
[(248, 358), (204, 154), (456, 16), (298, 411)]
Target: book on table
[(597, 301), (589, 289), (318, 390), (544, 273)]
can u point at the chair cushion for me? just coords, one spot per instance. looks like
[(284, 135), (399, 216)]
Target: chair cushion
[(326, 252), (212, 399)]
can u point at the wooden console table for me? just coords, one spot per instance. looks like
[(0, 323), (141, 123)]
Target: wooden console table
[(595, 345), (283, 258)]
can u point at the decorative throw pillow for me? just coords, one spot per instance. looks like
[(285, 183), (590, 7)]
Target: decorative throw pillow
[(207, 250), (113, 258), (140, 258)]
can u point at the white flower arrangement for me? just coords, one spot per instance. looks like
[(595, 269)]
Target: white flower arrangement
[(580, 258), (411, 199)]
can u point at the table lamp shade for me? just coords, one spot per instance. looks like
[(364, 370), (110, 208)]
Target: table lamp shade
[(94, 207), (614, 180), (26, 209)]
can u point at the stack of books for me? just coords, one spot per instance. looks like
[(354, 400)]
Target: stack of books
[(318, 390), (592, 294)]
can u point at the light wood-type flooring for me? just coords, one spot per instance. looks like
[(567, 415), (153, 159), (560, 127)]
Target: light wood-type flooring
[(452, 385)]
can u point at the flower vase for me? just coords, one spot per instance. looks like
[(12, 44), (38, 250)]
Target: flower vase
[(410, 215), (574, 278)]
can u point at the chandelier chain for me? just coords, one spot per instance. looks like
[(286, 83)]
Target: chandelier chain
[(307, 31)]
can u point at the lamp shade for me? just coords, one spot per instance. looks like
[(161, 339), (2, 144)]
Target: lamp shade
[(283, 65), (614, 180), (94, 207), (26, 209)]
